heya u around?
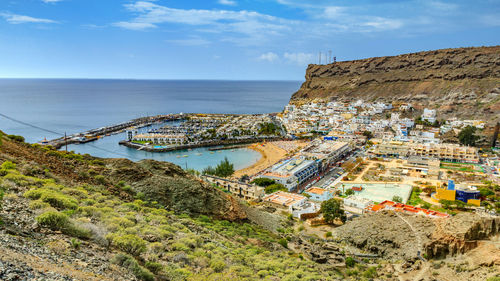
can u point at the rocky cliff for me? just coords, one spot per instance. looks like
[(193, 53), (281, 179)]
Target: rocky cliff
[(463, 81)]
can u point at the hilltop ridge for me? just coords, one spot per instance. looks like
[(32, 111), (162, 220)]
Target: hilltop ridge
[(447, 80)]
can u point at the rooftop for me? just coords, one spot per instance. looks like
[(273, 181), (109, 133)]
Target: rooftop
[(284, 198), (316, 190)]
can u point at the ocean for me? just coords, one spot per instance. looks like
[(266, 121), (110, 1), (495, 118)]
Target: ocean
[(77, 105)]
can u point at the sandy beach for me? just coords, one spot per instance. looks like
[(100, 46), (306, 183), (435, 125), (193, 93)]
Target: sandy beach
[(271, 152)]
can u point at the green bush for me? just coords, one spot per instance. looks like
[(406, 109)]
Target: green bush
[(370, 272), (75, 243), (53, 220), (16, 138), (54, 198), (154, 267), (328, 234), (130, 243), (283, 243), (38, 204), (217, 265), (59, 221), (100, 179), (350, 262), (131, 264), (7, 165)]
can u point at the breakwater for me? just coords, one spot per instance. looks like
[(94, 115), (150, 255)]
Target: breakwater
[(95, 134), (233, 142)]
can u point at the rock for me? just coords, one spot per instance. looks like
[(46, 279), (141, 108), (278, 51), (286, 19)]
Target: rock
[(445, 77)]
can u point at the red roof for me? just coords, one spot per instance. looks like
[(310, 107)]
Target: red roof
[(405, 208)]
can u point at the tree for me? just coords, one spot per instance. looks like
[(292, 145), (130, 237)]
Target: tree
[(397, 199), (331, 210), (275, 187), (268, 129), (263, 182), (368, 134), (349, 192), (224, 169), (429, 190), (467, 136)]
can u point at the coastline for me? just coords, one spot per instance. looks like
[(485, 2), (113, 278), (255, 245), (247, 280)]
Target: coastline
[(270, 155)]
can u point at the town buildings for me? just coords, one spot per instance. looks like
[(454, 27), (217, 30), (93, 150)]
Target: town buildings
[(293, 172), (239, 189), (319, 194)]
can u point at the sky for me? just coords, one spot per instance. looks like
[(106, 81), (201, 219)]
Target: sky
[(226, 39)]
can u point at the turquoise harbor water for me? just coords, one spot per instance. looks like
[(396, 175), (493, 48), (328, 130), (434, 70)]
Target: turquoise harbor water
[(72, 106)]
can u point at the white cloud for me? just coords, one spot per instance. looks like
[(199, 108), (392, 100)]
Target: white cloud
[(379, 23), (51, 1), (269, 56), (134, 25), (333, 12), (194, 41), (18, 19), (301, 59), (227, 2), (239, 27)]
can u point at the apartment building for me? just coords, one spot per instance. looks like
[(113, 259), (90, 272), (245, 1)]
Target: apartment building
[(240, 189)]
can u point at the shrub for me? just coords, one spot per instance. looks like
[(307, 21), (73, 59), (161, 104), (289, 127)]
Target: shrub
[(217, 265), (38, 204), (328, 234), (370, 272), (60, 201), (154, 267), (100, 179), (75, 243), (53, 220), (58, 221), (283, 243), (131, 264), (54, 198), (7, 165), (16, 138), (350, 262), (130, 243)]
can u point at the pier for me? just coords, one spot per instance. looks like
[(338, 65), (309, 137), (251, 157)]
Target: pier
[(95, 134), (232, 142)]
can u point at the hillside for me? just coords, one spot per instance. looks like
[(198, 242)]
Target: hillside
[(65, 216), (457, 82)]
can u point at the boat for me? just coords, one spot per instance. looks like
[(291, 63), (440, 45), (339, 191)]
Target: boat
[(178, 156), (199, 154), (211, 152), (184, 156), (44, 141)]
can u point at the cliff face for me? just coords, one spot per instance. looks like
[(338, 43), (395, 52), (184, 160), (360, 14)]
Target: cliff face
[(463, 81)]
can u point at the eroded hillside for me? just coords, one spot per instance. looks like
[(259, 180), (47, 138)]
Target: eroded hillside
[(461, 82)]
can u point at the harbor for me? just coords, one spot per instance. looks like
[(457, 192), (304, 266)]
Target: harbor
[(95, 134)]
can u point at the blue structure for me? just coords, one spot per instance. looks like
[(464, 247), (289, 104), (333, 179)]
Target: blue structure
[(465, 194), (451, 185)]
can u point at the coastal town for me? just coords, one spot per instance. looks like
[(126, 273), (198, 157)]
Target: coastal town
[(369, 157)]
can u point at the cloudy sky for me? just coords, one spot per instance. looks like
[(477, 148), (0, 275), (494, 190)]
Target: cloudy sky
[(226, 39)]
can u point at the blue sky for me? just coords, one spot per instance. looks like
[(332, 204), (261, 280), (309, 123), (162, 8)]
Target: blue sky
[(226, 39)]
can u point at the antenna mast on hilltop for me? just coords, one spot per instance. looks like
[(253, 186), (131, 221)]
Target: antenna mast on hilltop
[(330, 56)]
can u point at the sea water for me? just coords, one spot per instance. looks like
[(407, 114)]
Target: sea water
[(77, 105)]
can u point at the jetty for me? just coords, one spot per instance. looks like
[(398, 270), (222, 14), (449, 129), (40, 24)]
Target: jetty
[(232, 142), (95, 134)]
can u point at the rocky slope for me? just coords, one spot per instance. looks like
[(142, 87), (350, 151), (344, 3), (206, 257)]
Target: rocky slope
[(388, 235), (462, 81), (163, 182)]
